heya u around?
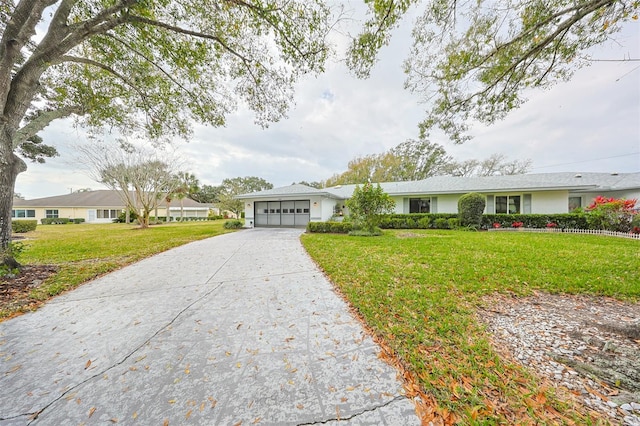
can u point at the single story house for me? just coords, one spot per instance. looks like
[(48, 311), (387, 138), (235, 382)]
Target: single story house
[(296, 205), (100, 206)]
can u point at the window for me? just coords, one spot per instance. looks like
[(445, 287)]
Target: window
[(306, 210), (107, 214), (419, 205), (51, 214), (18, 213), (508, 204), (575, 203)]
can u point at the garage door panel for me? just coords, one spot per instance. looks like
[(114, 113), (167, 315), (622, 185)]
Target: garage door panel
[(282, 213)]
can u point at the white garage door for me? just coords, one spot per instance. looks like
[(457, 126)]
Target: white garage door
[(287, 214)]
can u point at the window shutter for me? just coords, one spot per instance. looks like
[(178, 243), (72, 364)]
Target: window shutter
[(491, 206), (526, 207), (433, 208), (405, 205)]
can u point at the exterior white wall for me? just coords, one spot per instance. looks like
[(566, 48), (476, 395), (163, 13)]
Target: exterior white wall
[(550, 202), (448, 203)]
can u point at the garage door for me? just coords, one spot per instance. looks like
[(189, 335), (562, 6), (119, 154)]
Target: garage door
[(287, 214)]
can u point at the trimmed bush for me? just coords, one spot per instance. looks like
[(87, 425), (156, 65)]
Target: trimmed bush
[(233, 224), (413, 220), (561, 220), (60, 221), (329, 227), (470, 209), (22, 226), (441, 223)]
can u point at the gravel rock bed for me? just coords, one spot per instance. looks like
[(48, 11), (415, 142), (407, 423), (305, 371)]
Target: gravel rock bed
[(589, 346)]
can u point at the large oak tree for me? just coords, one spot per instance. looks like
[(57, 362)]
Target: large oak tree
[(151, 67)]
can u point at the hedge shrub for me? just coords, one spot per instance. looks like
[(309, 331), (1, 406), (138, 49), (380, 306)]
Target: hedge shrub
[(22, 226), (330, 227), (233, 224), (60, 221), (470, 208), (561, 220), (414, 220)]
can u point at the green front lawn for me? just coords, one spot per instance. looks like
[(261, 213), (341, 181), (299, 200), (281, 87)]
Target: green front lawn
[(85, 251), (418, 292)]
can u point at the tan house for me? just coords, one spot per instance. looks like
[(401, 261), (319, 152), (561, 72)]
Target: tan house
[(100, 206)]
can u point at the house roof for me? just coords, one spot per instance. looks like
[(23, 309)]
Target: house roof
[(572, 181), (99, 198), (295, 190)]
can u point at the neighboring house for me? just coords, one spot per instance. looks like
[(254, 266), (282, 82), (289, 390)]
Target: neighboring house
[(296, 205), (95, 207)]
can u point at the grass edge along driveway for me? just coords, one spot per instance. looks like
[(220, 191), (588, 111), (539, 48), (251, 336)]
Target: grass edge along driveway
[(85, 251), (418, 292)]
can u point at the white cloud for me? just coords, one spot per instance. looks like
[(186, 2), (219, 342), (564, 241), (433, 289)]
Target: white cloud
[(337, 117)]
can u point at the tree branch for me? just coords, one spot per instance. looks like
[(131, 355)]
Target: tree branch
[(41, 121)]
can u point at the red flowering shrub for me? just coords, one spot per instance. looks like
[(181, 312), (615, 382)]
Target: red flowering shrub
[(611, 214), (552, 225), (516, 224), (496, 225)]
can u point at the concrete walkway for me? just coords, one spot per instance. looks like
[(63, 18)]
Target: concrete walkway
[(237, 329)]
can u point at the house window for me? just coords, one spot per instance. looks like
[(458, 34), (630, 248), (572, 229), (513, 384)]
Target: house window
[(575, 203), (508, 204), (107, 214), (19, 213), (419, 205), (51, 214)]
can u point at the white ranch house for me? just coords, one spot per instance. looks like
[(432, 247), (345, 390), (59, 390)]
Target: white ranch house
[(547, 193)]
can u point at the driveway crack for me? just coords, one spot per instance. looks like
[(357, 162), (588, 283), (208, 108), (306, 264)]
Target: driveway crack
[(353, 416)]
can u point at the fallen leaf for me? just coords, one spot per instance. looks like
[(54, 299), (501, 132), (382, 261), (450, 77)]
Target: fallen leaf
[(188, 414), (91, 411), (299, 406), (114, 420), (135, 415), (172, 401), (166, 422), (87, 365), (257, 420)]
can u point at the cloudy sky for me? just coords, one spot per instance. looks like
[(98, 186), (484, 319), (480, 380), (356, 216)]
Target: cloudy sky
[(591, 123)]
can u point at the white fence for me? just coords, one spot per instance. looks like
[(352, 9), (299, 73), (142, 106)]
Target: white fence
[(573, 231)]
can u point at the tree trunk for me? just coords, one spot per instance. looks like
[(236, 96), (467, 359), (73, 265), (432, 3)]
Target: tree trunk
[(10, 166)]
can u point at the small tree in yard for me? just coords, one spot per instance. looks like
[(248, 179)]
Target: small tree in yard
[(366, 205), (470, 209)]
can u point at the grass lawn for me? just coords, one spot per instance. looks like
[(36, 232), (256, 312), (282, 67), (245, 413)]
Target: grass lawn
[(418, 292), (85, 251)]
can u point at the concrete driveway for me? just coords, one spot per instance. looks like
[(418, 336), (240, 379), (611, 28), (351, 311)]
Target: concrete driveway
[(237, 329)]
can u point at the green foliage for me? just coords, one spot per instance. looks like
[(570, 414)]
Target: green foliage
[(470, 209), (410, 160), (366, 206), (61, 221), (230, 188), (330, 227), (421, 293), (474, 60), (233, 224), (11, 254), (611, 214), (441, 223), (562, 220), (413, 220), (133, 216), (22, 226)]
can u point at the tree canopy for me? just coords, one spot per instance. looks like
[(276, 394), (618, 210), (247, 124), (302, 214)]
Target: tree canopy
[(236, 186), (474, 60), (148, 68), (421, 159)]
